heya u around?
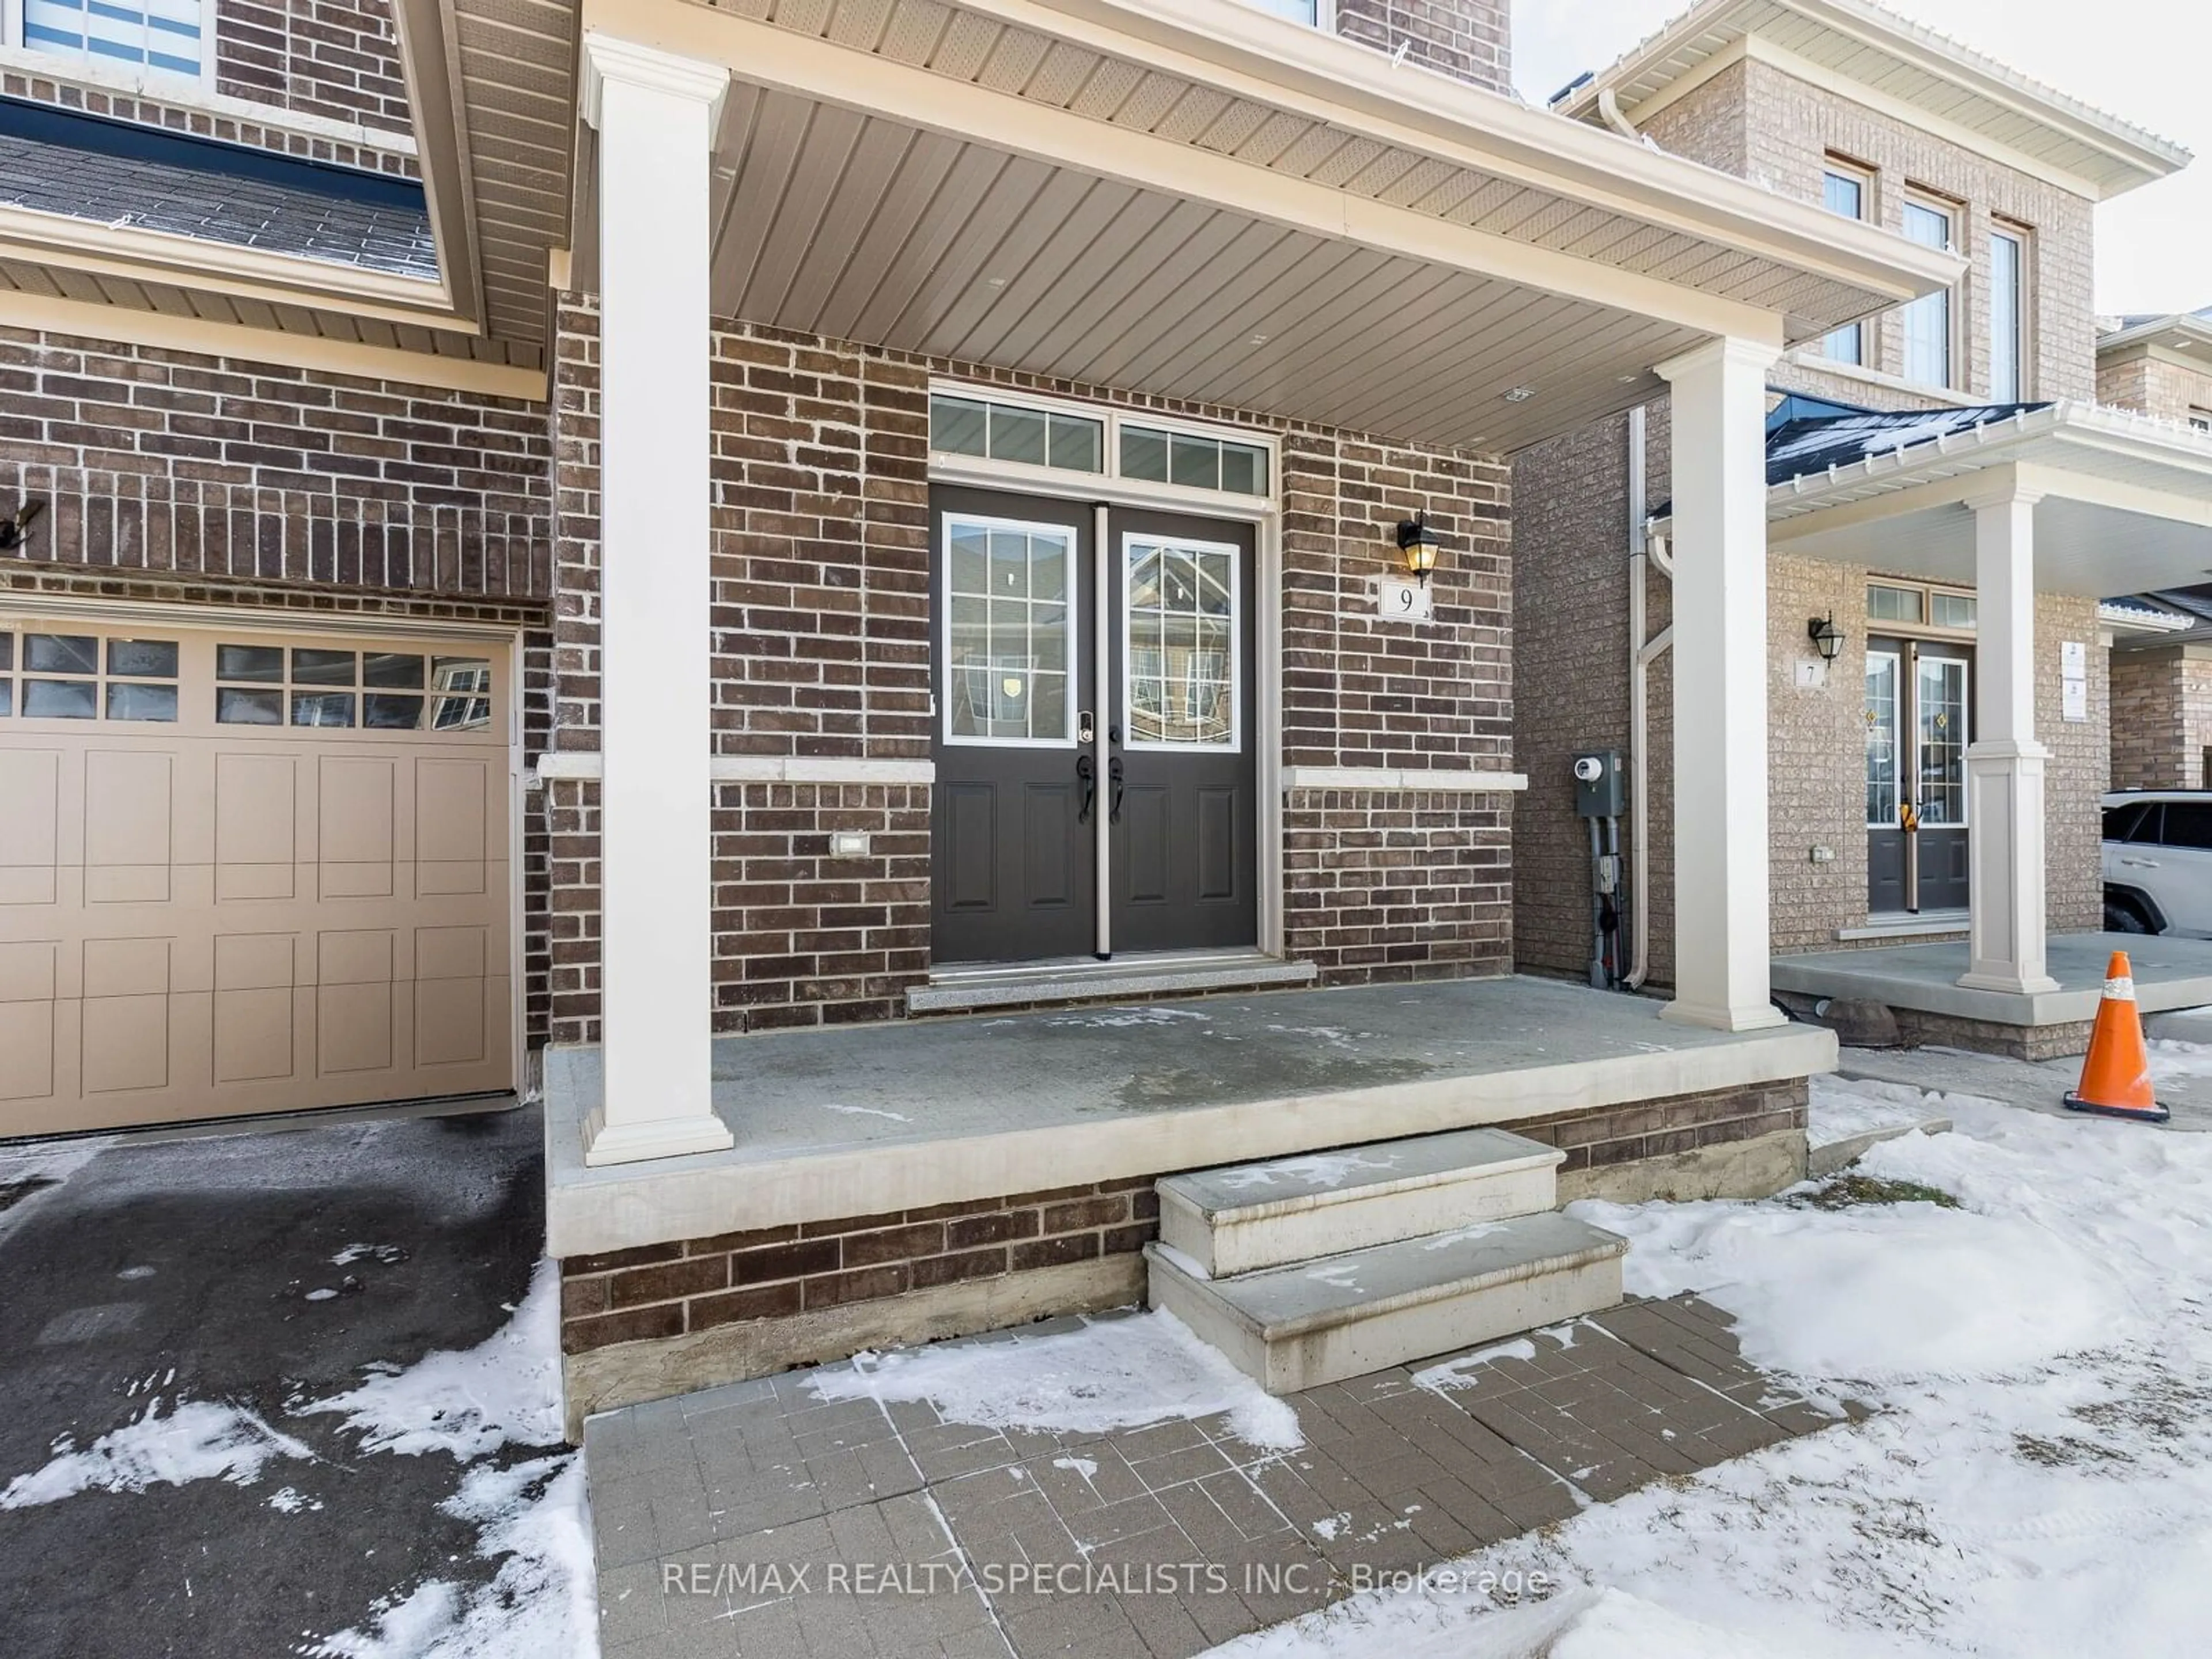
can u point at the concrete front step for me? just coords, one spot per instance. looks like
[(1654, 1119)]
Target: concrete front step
[(1365, 1310), (1250, 1216)]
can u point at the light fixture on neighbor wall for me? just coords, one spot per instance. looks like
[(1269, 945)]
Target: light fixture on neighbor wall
[(1417, 546), (15, 529), (1826, 637)]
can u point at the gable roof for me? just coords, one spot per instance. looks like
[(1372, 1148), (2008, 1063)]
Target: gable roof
[(1889, 62)]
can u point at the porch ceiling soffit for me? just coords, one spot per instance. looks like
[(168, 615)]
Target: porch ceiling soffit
[(1207, 202), (2124, 503), (1868, 53), (493, 87)]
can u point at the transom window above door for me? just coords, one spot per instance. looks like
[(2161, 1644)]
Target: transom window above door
[(1025, 436)]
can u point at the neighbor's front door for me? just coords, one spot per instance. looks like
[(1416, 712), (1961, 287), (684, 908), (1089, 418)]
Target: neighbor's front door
[(1064, 770), (1918, 711)]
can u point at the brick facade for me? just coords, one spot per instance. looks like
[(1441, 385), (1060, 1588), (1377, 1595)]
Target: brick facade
[(821, 617), (2161, 720), (659, 1291), (1571, 548), (772, 1273), (338, 58), (148, 110), (2151, 383), (154, 460), (1466, 39)]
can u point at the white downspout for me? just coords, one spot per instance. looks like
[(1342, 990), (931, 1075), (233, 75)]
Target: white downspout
[(1643, 552), (1608, 108)]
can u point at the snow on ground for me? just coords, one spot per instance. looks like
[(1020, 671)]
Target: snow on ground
[(197, 1440), (532, 1517), (2171, 1059), (2037, 1479), (1843, 1108), (1108, 1374), (469, 1404)]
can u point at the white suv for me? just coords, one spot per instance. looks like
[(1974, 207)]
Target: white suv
[(2158, 861)]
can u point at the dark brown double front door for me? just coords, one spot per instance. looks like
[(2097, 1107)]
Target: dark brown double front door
[(1072, 757), (1918, 721)]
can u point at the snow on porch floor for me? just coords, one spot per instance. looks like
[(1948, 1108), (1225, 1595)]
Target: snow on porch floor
[(1112, 1487)]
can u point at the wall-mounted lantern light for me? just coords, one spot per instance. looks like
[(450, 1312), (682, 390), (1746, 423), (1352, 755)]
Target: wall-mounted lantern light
[(15, 529), (1416, 546), (1826, 637)]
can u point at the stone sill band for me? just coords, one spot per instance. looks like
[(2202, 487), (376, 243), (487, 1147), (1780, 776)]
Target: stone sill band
[(810, 769)]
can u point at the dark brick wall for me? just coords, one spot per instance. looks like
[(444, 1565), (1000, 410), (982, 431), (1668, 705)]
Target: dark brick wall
[(773, 1272), (1661, 1128), (1393, 884), (150, 109), (338, 58), (821, 615), (661, 1291), (1468, 39), (164, 461)]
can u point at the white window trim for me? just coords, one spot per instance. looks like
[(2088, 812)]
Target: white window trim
[(2021, 237), (1897, 740), (85, 74), (1952, 212), (1324, 14), (1235, 746), (1868, 212), (1072, 700), (86, 70), (1060, 480)]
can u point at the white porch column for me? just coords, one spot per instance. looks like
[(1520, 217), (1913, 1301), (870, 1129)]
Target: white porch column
[(655, 115), (2004, 763), (1721, 894)]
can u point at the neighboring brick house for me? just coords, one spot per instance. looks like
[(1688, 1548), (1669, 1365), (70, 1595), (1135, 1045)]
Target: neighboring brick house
[(1798, 101), (2161, 366)]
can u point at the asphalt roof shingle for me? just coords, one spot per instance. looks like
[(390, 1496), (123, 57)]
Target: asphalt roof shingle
[(60, 161)]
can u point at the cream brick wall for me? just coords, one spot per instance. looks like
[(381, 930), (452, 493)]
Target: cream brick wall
[(2161, 721), (1815, 750), (1757, 121), (2152, 386), (2080, 766)]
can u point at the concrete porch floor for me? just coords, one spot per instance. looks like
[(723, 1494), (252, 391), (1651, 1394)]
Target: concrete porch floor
[(866, 1120), (2170, 972)]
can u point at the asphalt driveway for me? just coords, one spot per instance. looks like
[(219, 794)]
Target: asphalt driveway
[(230, 1281)]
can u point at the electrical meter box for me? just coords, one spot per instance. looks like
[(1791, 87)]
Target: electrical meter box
[(1599, 790)]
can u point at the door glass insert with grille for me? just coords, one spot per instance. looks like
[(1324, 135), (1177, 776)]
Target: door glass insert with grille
[(1179, 658), (1939, 708), (1917, 715), (1009, 614)]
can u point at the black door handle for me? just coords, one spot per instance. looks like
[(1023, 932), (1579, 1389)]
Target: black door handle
[(1088, 774), (1114, 771)]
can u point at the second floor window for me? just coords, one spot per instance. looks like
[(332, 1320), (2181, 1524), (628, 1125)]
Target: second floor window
[(162, 36), (1298, 11), (1846, 193), (2008, 316), (1928, 320)]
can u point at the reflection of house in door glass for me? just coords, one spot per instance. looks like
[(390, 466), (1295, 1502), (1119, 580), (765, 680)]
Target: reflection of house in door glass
[(1182, 618), (463, 685)]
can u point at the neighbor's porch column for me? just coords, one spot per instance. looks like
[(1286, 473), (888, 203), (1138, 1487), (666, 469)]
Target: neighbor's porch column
[(655, 115), (1721, 896), (2004, 763)]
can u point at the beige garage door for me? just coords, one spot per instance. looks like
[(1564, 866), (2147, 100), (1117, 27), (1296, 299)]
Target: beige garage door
[(248, 872)]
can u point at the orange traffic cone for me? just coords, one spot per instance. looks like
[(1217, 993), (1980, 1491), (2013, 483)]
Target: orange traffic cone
[(2115, 1072)]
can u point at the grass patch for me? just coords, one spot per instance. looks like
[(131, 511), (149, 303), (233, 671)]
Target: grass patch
[(1847, 1191)]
